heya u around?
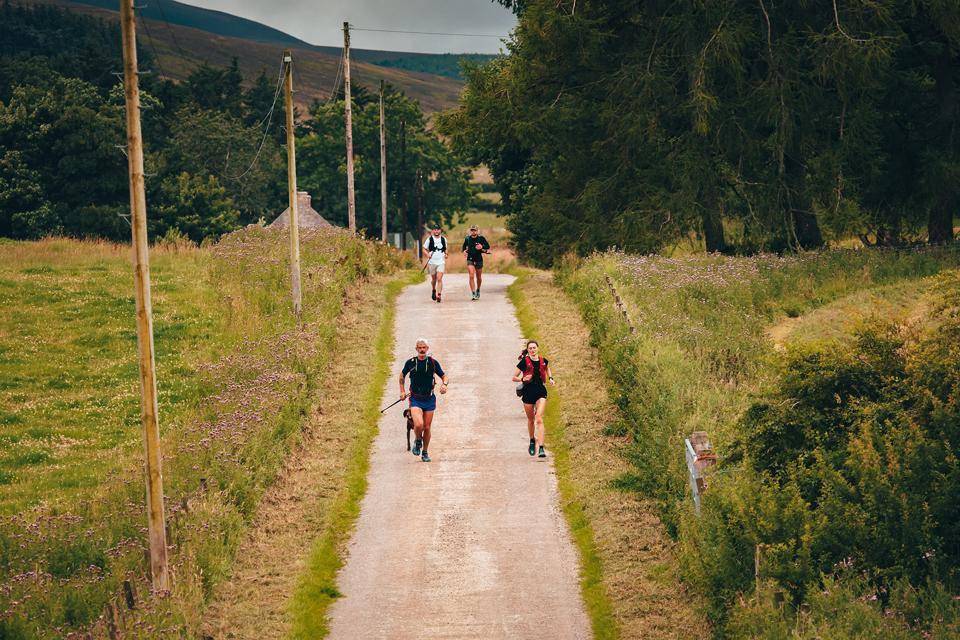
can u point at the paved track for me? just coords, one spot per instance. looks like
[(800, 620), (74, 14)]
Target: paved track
[(471, 545)]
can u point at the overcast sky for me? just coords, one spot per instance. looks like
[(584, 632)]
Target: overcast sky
[(321, 22)]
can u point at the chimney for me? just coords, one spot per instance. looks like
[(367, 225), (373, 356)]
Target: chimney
[(303, 201)]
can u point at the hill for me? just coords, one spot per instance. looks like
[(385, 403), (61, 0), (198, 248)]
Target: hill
[(217, 38), (231, 26)]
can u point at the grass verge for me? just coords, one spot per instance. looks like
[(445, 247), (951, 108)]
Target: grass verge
[(318, 584), (628, 573), (591, 568), (697, 357), (250, 373)]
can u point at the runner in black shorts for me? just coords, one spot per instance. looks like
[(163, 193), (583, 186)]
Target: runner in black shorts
[(534, 372), (474, 246)]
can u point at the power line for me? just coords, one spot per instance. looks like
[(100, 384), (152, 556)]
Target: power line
[(269, 120), (336, 80), (152, 45), (173, 33), (431, 33)]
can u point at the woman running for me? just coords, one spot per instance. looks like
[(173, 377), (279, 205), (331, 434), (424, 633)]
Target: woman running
[(534, 371)]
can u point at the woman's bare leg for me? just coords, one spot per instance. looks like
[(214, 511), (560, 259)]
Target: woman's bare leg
[(530, 410), (541, 406)]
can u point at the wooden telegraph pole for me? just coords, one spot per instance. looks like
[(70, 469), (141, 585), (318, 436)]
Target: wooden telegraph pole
[(292, 184), (419, 214), (383, 170), (347, 103), (403, 184), (156, 524)]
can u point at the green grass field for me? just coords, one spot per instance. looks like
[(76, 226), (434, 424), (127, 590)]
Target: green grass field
[(68, 361), (236, 374)]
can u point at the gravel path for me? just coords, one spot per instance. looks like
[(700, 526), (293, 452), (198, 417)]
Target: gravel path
[(471, 545)]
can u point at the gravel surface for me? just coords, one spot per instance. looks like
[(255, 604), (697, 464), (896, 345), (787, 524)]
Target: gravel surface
[(473, 544)]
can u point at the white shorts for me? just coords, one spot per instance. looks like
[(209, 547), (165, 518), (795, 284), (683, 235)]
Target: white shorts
[(434, 269)]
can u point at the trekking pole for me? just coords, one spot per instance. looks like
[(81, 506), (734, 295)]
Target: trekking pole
[(390, 405)]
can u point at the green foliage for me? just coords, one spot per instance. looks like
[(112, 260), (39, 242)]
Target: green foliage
[(836, 459), (749, 126), (322, 166), (198, 208), (62, 129)]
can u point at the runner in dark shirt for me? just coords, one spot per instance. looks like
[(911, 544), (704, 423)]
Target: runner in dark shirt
[(422, 369), (533, 371), (474, 246)]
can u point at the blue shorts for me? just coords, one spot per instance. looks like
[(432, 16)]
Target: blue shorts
[(426, 404)]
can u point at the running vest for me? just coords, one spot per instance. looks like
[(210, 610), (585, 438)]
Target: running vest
[(433, 247), (421, 379), (528, 367)]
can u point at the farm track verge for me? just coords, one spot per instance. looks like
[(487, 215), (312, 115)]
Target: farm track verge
[(316, 494), (629, 577)]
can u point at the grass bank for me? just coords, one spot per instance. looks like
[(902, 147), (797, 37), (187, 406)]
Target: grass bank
[(628, 576), (698, 357), (317, 587), (246, 374)]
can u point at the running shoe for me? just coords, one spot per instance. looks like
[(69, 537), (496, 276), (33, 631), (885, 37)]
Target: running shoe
[(438, 298), (533, 447), (433, 294), (416, 447), (426, 458), (473, 295), (478, 294), (543, 452)]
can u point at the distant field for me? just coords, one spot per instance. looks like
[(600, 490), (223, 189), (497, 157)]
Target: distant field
[(493, 228)]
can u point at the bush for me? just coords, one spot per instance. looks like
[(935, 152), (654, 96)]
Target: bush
[(837, 460)]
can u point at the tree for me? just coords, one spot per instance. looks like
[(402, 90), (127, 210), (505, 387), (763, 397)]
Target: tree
[(24, 212), (196, 206), (67, 135), (750, 126), (321, 163)]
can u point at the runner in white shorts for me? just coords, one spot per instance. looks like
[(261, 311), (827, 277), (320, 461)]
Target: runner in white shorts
[(436, 246)]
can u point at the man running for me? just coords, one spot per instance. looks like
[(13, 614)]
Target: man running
[(436, 245), (474, 246), (422, 368)]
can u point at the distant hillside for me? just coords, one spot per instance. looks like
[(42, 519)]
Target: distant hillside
[(180, 49), (442, 64), (231, 26)]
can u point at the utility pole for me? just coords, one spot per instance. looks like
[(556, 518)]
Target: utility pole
[(156, 522), (383, 170), (420, 214), (403, 184), (292, 184), (347, 102)]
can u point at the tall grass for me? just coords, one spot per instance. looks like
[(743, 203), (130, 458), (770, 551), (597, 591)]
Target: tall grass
[(700, 354), (245, 371)]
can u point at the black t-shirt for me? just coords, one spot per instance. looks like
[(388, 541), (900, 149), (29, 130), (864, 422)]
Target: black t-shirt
[(421, 375), (536, 379), (469, 245)]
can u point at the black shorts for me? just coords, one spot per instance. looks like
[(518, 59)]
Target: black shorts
[(476, 263), (532, 393)]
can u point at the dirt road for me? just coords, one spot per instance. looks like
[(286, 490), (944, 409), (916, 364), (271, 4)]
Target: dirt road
[(471, 545)]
